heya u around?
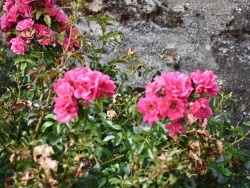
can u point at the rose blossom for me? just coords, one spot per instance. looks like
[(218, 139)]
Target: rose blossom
[(174, 127), (18, 45), (12, 14), (106, 87), (171, 107), (205, 82), (149, 108), (25, 10), (65, 109), (5, 24), (200, 109), (177, 84), (24, 24), (63, 88), (90, 85), (8, 4), (44, 34), (61, 17)]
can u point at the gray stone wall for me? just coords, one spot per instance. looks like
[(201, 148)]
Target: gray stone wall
[(195, 34)]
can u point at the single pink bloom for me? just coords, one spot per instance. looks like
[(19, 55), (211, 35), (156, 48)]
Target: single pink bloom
[(65, 109), (18, 45), (8, 4), (5, 24), (171, 107), (106, 87), (24, 24), (61, 17), (150, 109), (205, 82), (156, 88), (72, 75), (200, 109), (25, 10), (44, 34), (63, 88), (52, 11), (12, 14), (177, 84), (174, 127), (88, 86)]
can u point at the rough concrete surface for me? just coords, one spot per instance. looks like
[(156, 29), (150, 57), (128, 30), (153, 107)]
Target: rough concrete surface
[(195, 34)]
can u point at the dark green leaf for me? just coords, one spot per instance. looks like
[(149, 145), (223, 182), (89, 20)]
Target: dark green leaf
[(53, 139)]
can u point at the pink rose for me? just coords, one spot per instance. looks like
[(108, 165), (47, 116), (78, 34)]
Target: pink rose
[(90, 85), (65, 109), (177, 84), (8, 4), (205, 82), (106, 87), (5, 24), (72, 75), (24, 24), (18, 45), (61, 17), (171, 107), (12, 14), (200, 109), (150, 109), (51, 8), (63, 88), (44, 34), (174, 127), (25, 10), (156, 88)]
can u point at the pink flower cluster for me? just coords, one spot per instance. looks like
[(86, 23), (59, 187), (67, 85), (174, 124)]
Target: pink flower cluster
[(79, 84), (20, 25), (171, 96)]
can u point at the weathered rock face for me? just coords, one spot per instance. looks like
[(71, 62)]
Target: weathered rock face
[(194, 34)]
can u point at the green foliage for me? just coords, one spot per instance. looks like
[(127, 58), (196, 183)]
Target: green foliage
[(109, 145)]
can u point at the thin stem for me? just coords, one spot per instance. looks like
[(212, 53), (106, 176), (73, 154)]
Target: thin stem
[(114, 159), (242, 138), (42, 114)]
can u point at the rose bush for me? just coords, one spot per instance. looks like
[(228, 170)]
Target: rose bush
[(65, 122)]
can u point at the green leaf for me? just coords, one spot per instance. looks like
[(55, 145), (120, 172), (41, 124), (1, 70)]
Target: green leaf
[(150, 153), (47, 20), (239, 131), (227, 155), (53, 139), (109, 137), (115, 181), (247, 123), (38, 14), (46, 125), (226, 172)]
